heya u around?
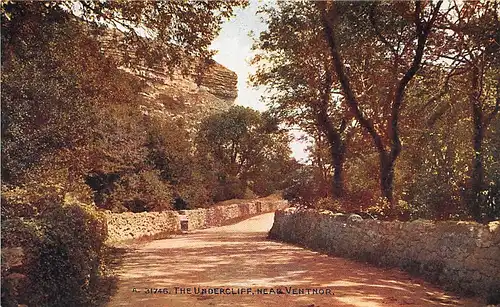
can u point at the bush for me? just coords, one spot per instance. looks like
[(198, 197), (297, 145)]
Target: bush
[(190, 196), (143, 191), (491, 206), (328, 203), (62, 242), (433, 196), (229, 188), (381, 210), (305, 187)]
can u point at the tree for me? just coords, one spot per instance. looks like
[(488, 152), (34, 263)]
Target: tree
[(238, 148), (473, 41), (294, 66), (170, 152), (402, 66), (52, 93), (69, 109), (408, 74), (71, 120), (171, 33)]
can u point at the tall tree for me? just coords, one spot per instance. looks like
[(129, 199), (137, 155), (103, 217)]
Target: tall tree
[(473, 41), (69, 113), (295, 67), (238, 146), (52, 93), (403, 47), (171, 33)]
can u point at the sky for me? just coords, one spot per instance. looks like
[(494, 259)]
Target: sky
[(234, 52)]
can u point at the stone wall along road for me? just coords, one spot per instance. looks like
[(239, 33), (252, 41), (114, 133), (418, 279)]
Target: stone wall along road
[(128, 225), (463, 256)]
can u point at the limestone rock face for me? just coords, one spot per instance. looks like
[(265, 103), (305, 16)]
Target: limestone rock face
[(184, 98), (188, 99), (220, 81)]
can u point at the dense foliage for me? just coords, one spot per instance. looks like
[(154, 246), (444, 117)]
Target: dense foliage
[(62, 241), (406, 93), (243, 151), (74, 138)]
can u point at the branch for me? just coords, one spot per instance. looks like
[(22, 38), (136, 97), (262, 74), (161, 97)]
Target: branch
[(422, 32), (433, 17), (323, 120), (455, 58), (377, 30), (432, 120), (115, 20), (446, 88), (343, 125), (344, 79)]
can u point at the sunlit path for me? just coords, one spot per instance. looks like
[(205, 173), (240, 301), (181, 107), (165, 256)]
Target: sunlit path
[(239, 256)]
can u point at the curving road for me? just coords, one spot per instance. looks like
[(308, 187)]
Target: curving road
[(252, 271)]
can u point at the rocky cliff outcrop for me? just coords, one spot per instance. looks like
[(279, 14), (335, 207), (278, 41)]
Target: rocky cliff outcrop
[(187, 99), (184, 98)]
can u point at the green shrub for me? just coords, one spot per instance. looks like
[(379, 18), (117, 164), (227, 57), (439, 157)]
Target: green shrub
[(381, 210), (143, 191), (192, 196), (63, 244), (328, 203), (304, 187), (229, 188)]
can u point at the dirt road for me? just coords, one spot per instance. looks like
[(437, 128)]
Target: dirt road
[(237, 266)]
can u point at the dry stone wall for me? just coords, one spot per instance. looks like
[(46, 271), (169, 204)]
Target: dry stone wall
[(222, 214), (462, 256), (127, 226)]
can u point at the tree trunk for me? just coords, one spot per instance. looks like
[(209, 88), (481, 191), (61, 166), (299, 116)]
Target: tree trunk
[(337, 149), (332, 134), (387, 159), (477, 142), (325, 185), (337, 152), (387, 178)]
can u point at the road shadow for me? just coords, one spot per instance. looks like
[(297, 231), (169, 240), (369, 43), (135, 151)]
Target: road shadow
[(106, 285)]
